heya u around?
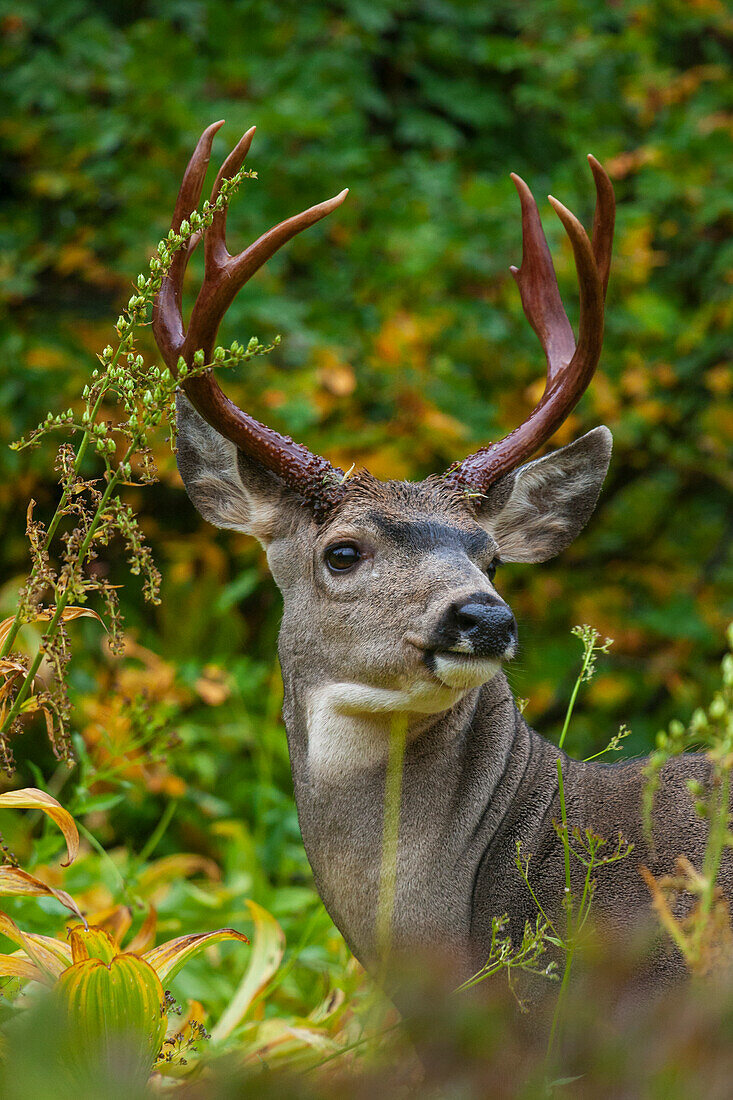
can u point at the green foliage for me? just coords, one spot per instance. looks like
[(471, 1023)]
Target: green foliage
[(403, 339), (404, 346)]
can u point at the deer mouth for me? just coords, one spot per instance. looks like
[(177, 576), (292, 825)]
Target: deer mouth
[(458, 669), (458, 665)]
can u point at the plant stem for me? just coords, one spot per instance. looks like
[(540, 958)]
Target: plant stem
[(104, 854), (713, 856), (390, 837), (570, 936), (158, 832), (574, 695), (559, 1005), (80, 456), (565, 844)]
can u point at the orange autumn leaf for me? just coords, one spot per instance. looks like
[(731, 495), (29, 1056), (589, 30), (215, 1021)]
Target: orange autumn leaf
[(45, 614)]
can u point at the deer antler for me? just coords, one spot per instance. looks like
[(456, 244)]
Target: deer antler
[(569, 368), (310, 475)]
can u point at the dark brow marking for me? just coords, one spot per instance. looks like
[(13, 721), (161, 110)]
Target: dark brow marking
[(429, 534)]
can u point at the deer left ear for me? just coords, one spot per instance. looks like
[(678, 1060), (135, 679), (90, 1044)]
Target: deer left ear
[(539, 509)]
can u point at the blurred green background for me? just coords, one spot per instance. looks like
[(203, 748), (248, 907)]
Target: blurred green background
[(404, 344)]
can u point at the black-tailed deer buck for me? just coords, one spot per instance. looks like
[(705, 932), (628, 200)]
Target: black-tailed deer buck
[(390, 608)]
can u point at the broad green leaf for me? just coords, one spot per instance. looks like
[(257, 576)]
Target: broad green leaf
[(17, 883), (268, 946), (113, 1004), (168, 959), (30, 798), (95, 803)]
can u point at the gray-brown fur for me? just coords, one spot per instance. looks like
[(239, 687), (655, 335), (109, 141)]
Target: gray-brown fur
[(355, 650)]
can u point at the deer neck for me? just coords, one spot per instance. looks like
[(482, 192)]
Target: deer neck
[(458, 782)]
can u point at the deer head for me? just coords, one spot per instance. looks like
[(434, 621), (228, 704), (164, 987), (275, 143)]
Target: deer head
[(388, 587)]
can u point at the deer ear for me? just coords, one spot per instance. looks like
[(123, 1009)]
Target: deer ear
[(536, 511), (227, 488)]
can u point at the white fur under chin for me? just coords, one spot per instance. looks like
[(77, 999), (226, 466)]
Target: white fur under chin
[(349, 723), (464, 672)]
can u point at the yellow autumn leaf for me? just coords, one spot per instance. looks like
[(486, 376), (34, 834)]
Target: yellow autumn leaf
[(19, 965), (16, 966), (144, 939), (168, 959), (58, 948), (68, 614), (34, 705), (30, 798), (177, 866), (9, 667), (45, 614), (34, 948), (17, 883)]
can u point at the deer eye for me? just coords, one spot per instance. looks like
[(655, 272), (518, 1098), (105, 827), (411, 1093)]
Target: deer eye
[(491, 569), (342, 556)]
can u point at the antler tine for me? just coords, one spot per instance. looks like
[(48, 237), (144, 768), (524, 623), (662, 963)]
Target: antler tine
[(538, 288), (604, 220), (232, 272), (569, 368), (215, 242), (313, 477), (167, 317)]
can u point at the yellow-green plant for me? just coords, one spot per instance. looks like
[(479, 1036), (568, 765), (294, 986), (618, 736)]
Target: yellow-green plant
[(106, 995)]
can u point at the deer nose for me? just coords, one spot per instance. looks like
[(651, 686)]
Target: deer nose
[(482, 626)]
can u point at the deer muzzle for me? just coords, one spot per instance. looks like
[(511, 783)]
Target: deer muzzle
[(481, 626)]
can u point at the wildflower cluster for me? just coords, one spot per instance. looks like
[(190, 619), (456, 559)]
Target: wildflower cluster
[(526, 958), (182, 1045), (589, 636), (122, 407)]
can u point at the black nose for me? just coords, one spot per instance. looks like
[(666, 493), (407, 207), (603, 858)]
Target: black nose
[(482, 625)]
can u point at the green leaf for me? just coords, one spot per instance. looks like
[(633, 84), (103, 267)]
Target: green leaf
[(98, 802), (265, 958)]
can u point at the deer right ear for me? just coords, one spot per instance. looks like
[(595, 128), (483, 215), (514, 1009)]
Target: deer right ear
[(536, 511), (226, 487)]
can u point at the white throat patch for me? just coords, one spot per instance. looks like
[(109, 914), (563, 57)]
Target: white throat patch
[(349, 723)]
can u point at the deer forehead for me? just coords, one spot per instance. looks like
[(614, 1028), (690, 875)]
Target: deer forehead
[(409, 516)]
